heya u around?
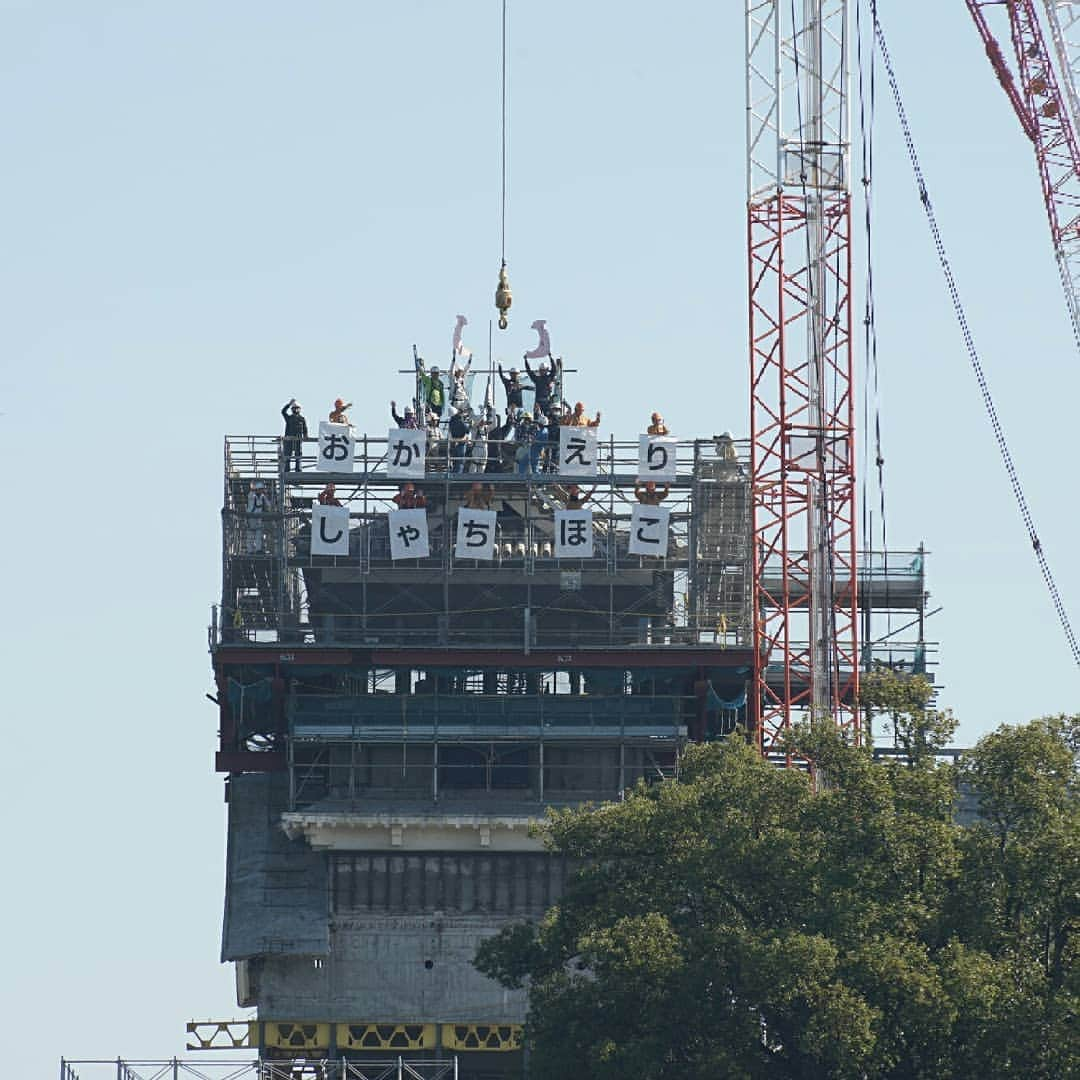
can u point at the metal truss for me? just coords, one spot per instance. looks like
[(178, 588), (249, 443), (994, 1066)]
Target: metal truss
[(398, 1068), (308, 1040), (802, 406), (1046, 104), (790, 131)]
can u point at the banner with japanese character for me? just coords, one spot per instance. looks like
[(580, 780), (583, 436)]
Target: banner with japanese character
[(475, 534), (573, 534), (408, 534), (656, 457), (649, 530), (335, 448), (577, 451), (329, 530), (405, 453)]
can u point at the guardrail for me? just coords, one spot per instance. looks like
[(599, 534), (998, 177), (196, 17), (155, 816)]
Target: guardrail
[(260, 457), (509, 630)]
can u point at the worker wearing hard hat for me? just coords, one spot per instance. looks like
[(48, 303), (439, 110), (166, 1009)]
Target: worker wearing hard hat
[(328, 496), (512, 386), (650, 494), (408, 421), (658, 427), (338, 415), (543, 382), (295, 433), (725, 447), (578, 418)]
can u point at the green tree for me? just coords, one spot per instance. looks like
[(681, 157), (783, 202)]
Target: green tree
[(740, 923)]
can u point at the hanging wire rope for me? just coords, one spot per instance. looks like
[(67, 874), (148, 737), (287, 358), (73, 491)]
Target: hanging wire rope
[(502, 204), (503, 296), (973, 356), (867, 91)]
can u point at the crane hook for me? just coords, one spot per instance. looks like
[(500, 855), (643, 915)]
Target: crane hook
[(503, 296)]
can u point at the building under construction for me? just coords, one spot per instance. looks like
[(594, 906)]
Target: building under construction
[(391, 726)]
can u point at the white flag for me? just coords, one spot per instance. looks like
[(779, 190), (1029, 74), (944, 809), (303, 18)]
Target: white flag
[(573, 534), (408, 534), (405, 449), (475, 534), (329, 530), (335, 448), (577, 451), (649, 530), (656, 457)]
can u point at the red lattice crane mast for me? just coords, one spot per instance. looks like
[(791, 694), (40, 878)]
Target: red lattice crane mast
[(1041, 99), (802, 426)]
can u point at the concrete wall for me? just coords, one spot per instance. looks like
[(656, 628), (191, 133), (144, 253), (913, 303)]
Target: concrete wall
[(383, 968)]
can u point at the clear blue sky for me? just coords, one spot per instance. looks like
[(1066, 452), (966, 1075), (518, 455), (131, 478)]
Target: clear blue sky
[(211, 207)]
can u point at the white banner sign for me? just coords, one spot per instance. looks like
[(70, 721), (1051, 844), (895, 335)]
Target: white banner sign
[(408, 534), (335, 447), (475, 534), (656, 457), (573, 534), (330, 530), (577, 451), (649, 530), (405, 453)]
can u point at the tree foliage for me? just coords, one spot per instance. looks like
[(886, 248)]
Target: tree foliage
[(742, 924)]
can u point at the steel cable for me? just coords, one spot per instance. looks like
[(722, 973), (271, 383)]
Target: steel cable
[(973, 356)]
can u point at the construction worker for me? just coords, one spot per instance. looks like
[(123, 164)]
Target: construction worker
[(658, 427), (513, 388), (526, 435), (575, 498), (295, 433), (650, 494), (436, 393), (408, 498), (338, 415), (459, 394), (578, 418), (500, 447), (538, 450), (459, 430), (555, 421), (725, 447), (408, 420), (258, 503), (478, 451), (543, 381), (432, 389), (479, 497), (327, 496)]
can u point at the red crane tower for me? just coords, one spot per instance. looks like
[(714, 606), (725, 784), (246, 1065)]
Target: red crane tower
[(801, 377), (1046, 106)]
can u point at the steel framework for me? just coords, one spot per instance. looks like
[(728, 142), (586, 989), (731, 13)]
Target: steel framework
[(397, 1068), (801, 366), (1046, 104)]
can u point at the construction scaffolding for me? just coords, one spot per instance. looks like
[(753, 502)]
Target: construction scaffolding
[(276, 590), (258, 1069), (393, 728)]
